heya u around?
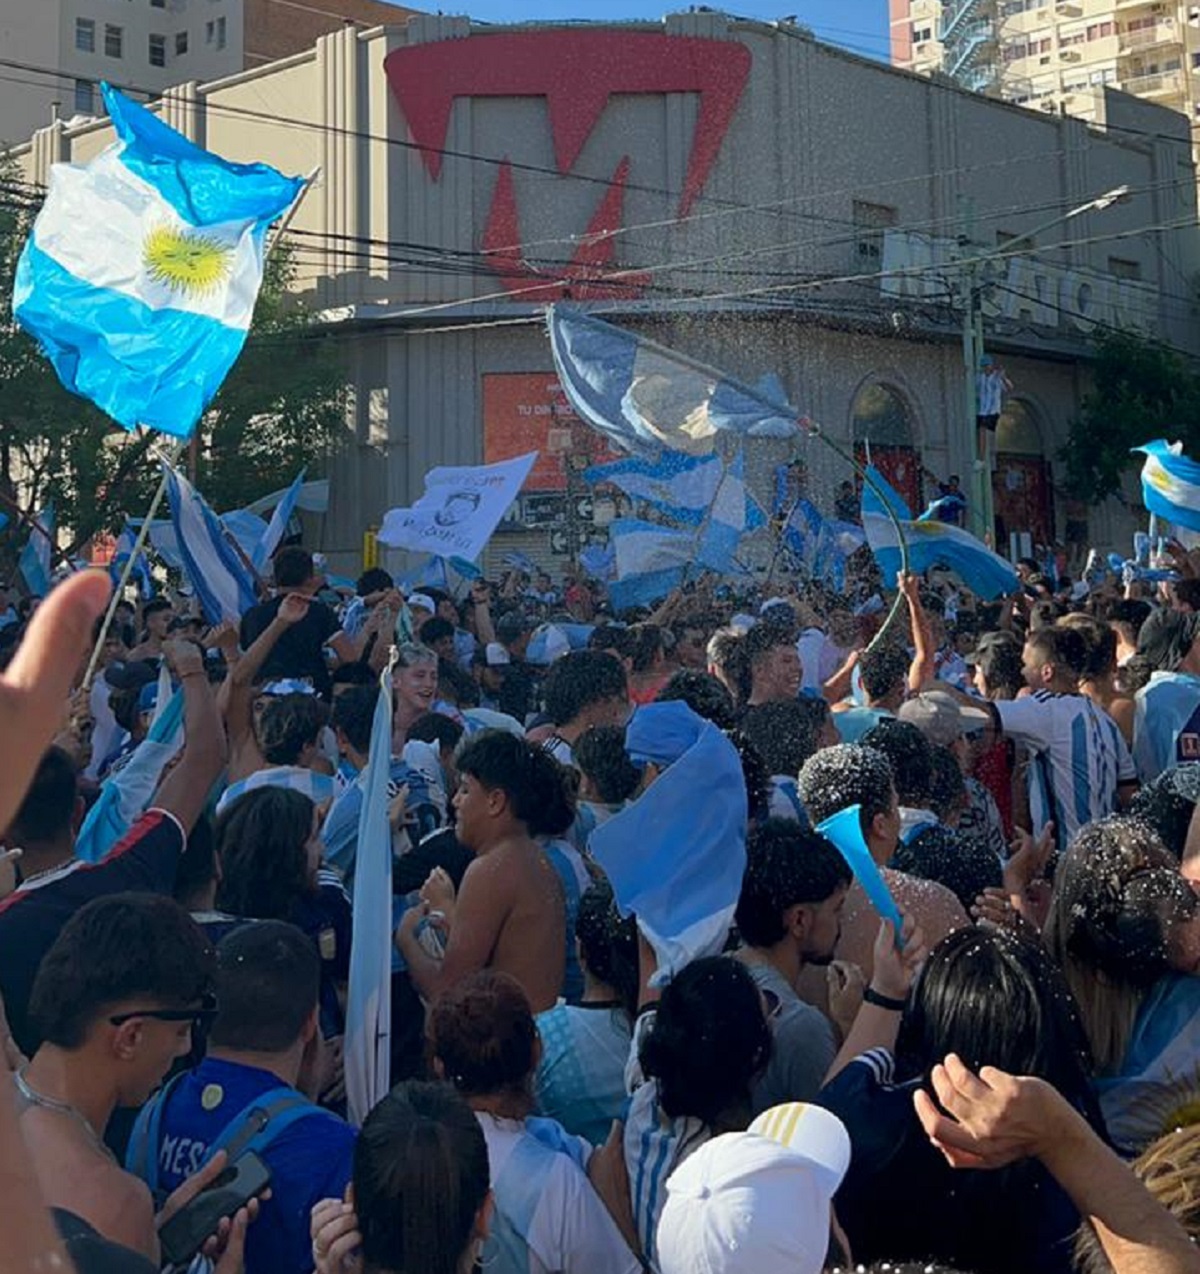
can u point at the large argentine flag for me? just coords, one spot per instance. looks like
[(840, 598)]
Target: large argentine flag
[(141, 273), (646, 397), (985, 573), (734, 513), (1171, 484), (680, 486), (222, 583), (650, 561)]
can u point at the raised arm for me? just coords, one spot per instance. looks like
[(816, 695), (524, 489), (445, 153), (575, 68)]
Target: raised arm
[(184, 791), (236, 697), (922, 670), (994, 1119)]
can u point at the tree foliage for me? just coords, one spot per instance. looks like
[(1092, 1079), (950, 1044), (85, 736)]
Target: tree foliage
[(282, 408), (1142, 390)]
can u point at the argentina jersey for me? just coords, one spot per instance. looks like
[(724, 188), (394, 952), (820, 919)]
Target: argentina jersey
[(785, 801), (1079, 759), (1166, 724)]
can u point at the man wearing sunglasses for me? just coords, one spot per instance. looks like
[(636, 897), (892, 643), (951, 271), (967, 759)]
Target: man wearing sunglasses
[(116, 1001)]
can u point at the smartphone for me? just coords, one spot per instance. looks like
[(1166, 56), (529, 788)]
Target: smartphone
[(192, 1226)]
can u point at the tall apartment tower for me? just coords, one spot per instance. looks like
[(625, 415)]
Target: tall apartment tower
[(56, 52), (1052, 54)]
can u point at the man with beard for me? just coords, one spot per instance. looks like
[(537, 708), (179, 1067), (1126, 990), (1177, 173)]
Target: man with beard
[(789, 915)]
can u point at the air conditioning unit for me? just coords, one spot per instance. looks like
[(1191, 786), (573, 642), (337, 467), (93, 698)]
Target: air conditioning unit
[(1068, 9), (1069, 55), (1049, 107)]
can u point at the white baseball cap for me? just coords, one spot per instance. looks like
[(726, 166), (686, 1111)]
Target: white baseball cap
[(423, 600), (941, 718), (495, 655), (756, 1200)]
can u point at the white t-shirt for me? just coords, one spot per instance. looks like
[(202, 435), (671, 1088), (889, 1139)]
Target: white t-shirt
[(1079, 759), (545, 1198)]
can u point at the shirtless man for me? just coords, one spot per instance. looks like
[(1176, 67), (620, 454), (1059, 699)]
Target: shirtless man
[(850, 774), (510, 913), (156, 616), (116, 1000)]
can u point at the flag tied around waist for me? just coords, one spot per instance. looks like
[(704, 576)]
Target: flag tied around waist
[(140, 276)]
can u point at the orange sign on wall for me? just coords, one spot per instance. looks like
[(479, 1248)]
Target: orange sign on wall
[(528, 411)]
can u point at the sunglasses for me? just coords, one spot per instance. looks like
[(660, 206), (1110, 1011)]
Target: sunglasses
[(200, 1018)]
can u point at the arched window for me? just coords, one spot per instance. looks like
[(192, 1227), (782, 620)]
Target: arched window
[(881, 417), (1019, 431), (881, 422)]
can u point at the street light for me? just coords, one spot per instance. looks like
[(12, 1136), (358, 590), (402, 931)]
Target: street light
[(981, 467)]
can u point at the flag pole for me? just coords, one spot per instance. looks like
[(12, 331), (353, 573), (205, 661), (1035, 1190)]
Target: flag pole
[(171, 456)]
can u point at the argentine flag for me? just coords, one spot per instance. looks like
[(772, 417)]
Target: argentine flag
[(650, 561), (141, 273), (678, 485), (646, 397), (734, 513), (930, 544), (224, 586), (35, 559), (1171, 484), (277, 527)]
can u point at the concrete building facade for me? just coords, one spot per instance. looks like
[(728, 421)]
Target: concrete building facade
[(737, 190), (56, 52), (1056, 55)]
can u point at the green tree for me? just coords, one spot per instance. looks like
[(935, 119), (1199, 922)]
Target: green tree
[(1142, 390), (282, 408)]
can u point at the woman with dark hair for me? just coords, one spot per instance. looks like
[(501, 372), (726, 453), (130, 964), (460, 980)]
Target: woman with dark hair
[(420, 1200), (510, 914), (269, 848), (649, 671), (547, 1216), (581, 1076), (1099, 679), (1125, 927), (995, 1001), (699, 1055)]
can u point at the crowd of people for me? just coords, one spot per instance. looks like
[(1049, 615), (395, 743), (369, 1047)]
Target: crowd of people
[(646, 1012)]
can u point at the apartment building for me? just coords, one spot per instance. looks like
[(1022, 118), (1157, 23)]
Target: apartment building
[(54, 53), (1054, 55)]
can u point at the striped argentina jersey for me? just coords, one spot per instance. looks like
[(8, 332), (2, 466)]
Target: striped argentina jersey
[(1166, 723), (1079, 761)]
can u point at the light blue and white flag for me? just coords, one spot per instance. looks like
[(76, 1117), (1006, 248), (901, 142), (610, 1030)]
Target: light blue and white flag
[(676, 861), (645, 397), (141, 273), (459, 509), (34, 562), (140, 571), (520, 562), (127, 794), (296, 778), (369, 1007), (678, 485), (277, 527), (1171, 484), (313, 498), (216, 571), (431, 573), (734, 513), (930, 544), (599, 561), (642, 547), (246, 529)]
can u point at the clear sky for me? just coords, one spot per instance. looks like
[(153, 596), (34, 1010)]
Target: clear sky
[(858, 24)]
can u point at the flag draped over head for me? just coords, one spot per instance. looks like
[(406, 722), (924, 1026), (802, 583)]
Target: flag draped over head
[(929, 544), (459, 509), (277, 527), (645, 397), (1171, 484), (678, 485), (125, 796), (673, 860), (733, 513), (141, 273), (223, 585), (369, 1007), (36, 556)]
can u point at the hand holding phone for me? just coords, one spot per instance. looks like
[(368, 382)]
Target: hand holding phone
[(185, 1231)]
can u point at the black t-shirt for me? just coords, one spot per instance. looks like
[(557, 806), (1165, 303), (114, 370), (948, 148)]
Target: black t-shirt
[(32, 917), (901, 1201), (940, 853), (300, 651)]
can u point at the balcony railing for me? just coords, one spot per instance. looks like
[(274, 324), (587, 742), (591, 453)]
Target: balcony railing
[(1148, 37), (1164, 84)]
